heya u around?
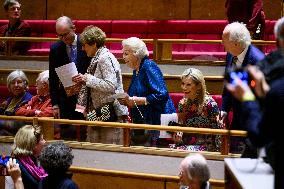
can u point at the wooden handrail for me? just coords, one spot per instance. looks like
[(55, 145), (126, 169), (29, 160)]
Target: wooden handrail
[(43, 39), (200, 41), (176, 41), (148, 176), (131, 126)]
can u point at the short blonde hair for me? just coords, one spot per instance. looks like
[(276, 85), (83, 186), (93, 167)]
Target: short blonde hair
[(93, 35), (197, 77), (25, 140)]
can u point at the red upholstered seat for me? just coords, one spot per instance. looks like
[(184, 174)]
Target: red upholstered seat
[(150, 29)]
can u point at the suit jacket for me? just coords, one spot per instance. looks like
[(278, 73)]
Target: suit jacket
[(58, 57), (21, 29), (252, 56)]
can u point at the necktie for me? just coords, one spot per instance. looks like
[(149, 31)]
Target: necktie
[(73, 53), (234, 62)]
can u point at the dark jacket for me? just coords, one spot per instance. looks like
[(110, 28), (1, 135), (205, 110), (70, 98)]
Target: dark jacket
[(58, 57), (252, 56)]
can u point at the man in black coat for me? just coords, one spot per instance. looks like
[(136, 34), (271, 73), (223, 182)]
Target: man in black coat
[(61, 54)]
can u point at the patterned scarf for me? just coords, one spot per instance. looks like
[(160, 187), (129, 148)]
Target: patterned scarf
[(83, 95), (36, 171)]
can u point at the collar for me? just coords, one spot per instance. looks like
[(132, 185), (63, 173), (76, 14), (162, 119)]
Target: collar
[(74, 43), (241, 56)]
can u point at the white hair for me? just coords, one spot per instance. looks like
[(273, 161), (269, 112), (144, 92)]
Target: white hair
[(238, 33), (17, 74), (197, 168), (279, 29), (137, 46), (43, 77)]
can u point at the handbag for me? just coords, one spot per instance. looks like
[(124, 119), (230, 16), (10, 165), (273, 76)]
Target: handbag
[(104, 113)]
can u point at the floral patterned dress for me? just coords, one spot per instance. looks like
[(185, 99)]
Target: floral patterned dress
[(206, 119)]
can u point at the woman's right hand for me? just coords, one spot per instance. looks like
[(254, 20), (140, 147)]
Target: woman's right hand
[(177, 137), (80, 78)]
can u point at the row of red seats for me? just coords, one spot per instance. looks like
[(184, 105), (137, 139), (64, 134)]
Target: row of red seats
[(150, 29)]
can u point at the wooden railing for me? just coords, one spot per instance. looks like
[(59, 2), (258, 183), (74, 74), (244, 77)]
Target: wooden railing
[(84, 177), (48, 128), (162, 50)]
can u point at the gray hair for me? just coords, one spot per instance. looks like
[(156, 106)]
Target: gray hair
[(197, 168), (279, 29), (197, 77), (43, 77), (9, 3), (64, 20), (137, 46), (238, 33), (56, 157), (17, 74)]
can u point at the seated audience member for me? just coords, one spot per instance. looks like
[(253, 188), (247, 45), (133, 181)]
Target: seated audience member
[(56, 158), (196, 109), (102, 80), (149, 97), (14, 171), (194, 172), (28, 144), (15, 28), (17, 83), (40, 105)]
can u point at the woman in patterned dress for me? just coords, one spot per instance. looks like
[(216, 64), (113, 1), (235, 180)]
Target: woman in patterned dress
[(196, 109)]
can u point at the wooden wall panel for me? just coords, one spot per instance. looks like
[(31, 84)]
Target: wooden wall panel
[(208, 9), (133, 9), (119, 9), (272, 9), (212, 9)]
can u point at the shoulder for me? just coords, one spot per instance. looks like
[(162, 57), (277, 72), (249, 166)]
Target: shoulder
[(57, 45), (256, 53)]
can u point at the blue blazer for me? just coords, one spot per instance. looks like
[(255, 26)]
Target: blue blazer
[(252, 57), (58, 57), (149, 83)]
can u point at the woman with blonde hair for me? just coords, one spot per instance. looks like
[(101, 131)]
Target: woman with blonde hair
[(196, 109), (27, 147)]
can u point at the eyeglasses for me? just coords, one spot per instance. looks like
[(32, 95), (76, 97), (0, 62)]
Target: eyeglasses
[(64, 34)]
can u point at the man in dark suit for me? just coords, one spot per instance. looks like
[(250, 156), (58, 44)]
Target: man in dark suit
[(237, 42), (15, 28), (68, 49), (264, 120)]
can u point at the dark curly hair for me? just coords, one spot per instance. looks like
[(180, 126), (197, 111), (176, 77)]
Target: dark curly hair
[(56, 157)]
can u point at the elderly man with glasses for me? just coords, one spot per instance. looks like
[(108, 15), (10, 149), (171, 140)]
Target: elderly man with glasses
[(67, 50)]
